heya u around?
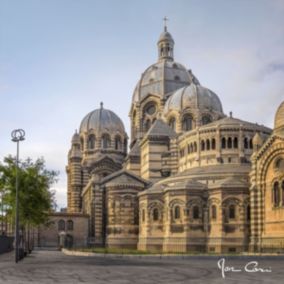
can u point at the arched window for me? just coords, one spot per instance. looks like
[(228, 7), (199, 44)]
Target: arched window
[(147, 124), (213, 142), (177, 212), (232, 213), (223, 143), (172, 123), (207, 144), (202, 145), (230, 143), (213, 212), (155, 214), (91, 141), (105, 141), (118, 144), (125, 145), (250, 144), (248, 213), (206, 119), (61, 225), (236, 144), (195, 212), (82, 144), (195, 147), (143, 215), (70, 225), (187, 122), (276, 196), (191, 148), (246, 143)]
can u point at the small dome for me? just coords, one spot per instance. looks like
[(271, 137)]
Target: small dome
[(279, 117), (162, 79), (102, 119), (194, 97), (165, 36), (76, 138)]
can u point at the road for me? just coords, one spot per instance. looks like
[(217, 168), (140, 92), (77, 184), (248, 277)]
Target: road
[(55, 267)]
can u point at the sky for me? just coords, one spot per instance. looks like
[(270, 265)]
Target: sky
[(60, 58)]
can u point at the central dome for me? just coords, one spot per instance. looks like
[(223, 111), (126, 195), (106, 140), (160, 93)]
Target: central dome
[(162, 79), (103, 119)]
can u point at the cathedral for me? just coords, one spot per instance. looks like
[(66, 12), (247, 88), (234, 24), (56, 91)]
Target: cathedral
[(193, 180)]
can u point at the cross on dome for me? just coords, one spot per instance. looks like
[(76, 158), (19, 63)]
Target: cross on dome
[(165, 19)]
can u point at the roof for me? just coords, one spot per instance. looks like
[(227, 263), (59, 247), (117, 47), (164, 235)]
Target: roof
[(165, 35), (135, 150), (231, 182), (123, 177), (102, 119), (187, 184), (233, 122), (161, 79), (161, 129), (193, 96)]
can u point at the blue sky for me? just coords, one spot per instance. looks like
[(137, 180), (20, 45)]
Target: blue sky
[(59, 59)]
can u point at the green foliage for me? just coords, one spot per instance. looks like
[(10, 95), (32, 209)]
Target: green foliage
[(36, 199)]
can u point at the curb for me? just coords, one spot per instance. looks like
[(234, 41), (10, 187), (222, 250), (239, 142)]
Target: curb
[(160, 256)]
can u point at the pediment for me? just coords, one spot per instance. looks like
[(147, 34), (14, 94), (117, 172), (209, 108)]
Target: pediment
[(124, 177)]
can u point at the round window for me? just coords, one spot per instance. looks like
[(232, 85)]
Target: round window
[(151, 109)]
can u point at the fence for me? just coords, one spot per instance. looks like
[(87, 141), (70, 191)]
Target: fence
[(6, 244)]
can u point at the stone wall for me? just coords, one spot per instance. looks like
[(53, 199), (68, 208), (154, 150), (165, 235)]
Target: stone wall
[(72, 232)]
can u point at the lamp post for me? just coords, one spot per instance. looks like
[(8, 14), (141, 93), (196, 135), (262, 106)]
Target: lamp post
[(17, 136)]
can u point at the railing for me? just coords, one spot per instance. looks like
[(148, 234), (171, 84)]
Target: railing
[(6, 244)]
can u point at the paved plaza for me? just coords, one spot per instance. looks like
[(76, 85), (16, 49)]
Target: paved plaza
[(56, 267)]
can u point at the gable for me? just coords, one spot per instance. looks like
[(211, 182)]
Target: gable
[(123, 177)]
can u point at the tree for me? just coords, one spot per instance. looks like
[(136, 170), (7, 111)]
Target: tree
[(36, 199)]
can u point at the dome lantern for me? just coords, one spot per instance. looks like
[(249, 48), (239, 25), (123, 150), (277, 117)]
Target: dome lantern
[(166, 44)]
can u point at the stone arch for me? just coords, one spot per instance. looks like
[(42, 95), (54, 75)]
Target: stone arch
[(187, 121), (202, 145), (118, 142), (223, 143), (227, 206), (208, 144), (196, 202), (236, 143), (213, 143), (270, 155), (152, 207), (91, 141), (229, 143), (105, 141)]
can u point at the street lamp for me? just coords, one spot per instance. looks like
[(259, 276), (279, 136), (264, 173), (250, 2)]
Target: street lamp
[(17, 136)]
